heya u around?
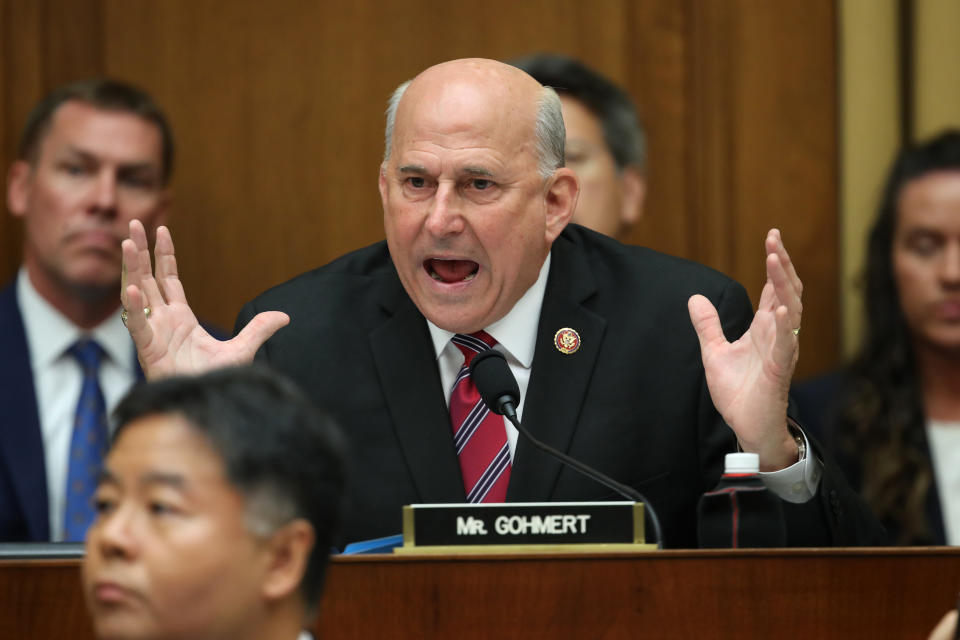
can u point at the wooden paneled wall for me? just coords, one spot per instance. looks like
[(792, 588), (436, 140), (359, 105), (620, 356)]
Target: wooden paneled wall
[(278, 111)]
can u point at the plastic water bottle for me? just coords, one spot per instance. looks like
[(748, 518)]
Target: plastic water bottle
[(740, 512)]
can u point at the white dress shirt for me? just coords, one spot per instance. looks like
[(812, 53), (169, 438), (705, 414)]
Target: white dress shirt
[(944, 438), (516, 336), (58, 377)]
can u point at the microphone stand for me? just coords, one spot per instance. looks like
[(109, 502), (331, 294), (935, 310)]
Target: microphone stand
[(498, 388), (507, 409)]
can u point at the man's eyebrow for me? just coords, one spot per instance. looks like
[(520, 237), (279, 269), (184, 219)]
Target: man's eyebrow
[(174, 480), (147, 170), (478, 171), (106, 477), (418, 169), (87, 156)]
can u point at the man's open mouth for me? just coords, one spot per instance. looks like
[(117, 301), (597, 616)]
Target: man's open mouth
[(450, 271)]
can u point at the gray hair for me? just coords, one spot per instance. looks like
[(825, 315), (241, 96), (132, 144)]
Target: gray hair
[(550, 133), (392, 105), (269, 507)]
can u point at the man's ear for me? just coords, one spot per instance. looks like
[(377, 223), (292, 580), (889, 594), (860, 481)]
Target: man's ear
[(561, 200), (18, 187), (633, 186), (289, 550), (382, 184)]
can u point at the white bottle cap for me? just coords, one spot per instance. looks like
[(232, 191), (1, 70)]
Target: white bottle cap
[(741, 463)]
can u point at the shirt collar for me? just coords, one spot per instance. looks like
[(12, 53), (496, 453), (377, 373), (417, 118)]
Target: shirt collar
[(50, 333), (516, 331)]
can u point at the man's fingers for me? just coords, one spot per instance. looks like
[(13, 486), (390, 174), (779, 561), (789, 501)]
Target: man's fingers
[(786, 293), (133, 249), (136, 318), (768, 297), (785, 345), (706, 321), (151, 291), (138, 234), (144, 272), (258, 330), (163, 252), (775, 245), (129, 273), (167, 275), (136, 269)]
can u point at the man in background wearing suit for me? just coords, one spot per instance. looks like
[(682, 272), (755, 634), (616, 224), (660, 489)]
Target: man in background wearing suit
[(606, 144), (92, 157), (479, 254)]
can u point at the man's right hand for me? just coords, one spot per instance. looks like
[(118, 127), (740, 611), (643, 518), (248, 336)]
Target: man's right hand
[(170, 340)]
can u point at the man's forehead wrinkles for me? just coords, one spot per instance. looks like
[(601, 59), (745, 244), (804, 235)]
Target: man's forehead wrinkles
[(449, 144), (468, 170), (476, 154), (473, 161)]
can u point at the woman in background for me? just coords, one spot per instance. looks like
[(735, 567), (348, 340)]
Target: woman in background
[(892, 417)]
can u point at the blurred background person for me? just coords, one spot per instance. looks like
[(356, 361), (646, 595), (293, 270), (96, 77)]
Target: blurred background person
[(892, 417), (93, 156), (216, 510), (606, 144)]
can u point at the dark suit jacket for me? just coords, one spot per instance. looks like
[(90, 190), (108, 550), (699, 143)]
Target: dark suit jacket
[(819, 402), (23, 480), (24, 514), (632, 402)]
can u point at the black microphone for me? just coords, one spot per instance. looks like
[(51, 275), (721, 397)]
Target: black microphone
[(492, 376)]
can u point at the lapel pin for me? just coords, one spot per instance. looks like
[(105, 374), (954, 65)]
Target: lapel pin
[(567, 340)]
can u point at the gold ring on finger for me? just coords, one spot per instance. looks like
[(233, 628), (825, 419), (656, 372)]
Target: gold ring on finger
[(124, 316)]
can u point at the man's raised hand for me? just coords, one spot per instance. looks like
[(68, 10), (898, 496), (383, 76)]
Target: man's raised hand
[(167, 335)]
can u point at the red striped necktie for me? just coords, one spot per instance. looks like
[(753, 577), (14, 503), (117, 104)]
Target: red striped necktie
[(478, 434)]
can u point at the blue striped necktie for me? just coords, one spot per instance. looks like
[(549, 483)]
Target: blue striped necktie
[(88, 444)]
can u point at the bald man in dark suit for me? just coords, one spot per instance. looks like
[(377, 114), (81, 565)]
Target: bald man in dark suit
[(623, 356)]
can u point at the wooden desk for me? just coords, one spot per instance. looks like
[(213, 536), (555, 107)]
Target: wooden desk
[(808, 594)]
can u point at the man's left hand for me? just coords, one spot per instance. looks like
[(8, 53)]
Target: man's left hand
[(749, 380)]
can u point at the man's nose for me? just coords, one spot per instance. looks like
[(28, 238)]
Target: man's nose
[(445, 216), (114, 534), (104, 196)]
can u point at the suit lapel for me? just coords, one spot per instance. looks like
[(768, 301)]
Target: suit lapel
[(558, 381), (21, 442), (404, 356)]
